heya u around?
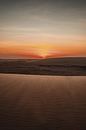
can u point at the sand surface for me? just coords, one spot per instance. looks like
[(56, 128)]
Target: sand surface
[(42, 102)]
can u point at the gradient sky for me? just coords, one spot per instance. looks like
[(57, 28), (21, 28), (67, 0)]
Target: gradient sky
[(42, 28)]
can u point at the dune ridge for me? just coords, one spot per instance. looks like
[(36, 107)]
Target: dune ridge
[(68, 66)]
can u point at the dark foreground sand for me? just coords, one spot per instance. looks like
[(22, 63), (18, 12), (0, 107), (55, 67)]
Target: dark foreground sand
[(68, 66), (42, 102)]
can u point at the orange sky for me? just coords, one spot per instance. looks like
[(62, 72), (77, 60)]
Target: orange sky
[(42, 29), (60, 48)]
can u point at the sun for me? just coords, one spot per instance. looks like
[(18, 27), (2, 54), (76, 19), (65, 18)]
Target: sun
[(43, 53), (43, 50)]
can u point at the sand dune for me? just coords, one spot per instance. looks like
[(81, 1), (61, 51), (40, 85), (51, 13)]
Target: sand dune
[(42, 102), (72, 66)]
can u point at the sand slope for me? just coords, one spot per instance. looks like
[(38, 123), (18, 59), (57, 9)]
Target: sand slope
[(42, 102)]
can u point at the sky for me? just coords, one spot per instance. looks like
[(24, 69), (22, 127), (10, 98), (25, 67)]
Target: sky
[(42, 28)]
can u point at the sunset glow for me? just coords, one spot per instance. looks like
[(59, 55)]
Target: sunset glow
[(42, 29), (42, 50)]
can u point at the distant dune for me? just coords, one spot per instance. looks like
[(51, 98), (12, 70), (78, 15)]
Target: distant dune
[(42, 102), (71, 66)]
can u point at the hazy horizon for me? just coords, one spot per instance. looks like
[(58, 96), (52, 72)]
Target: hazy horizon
[(40, 58), (42, 28)]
